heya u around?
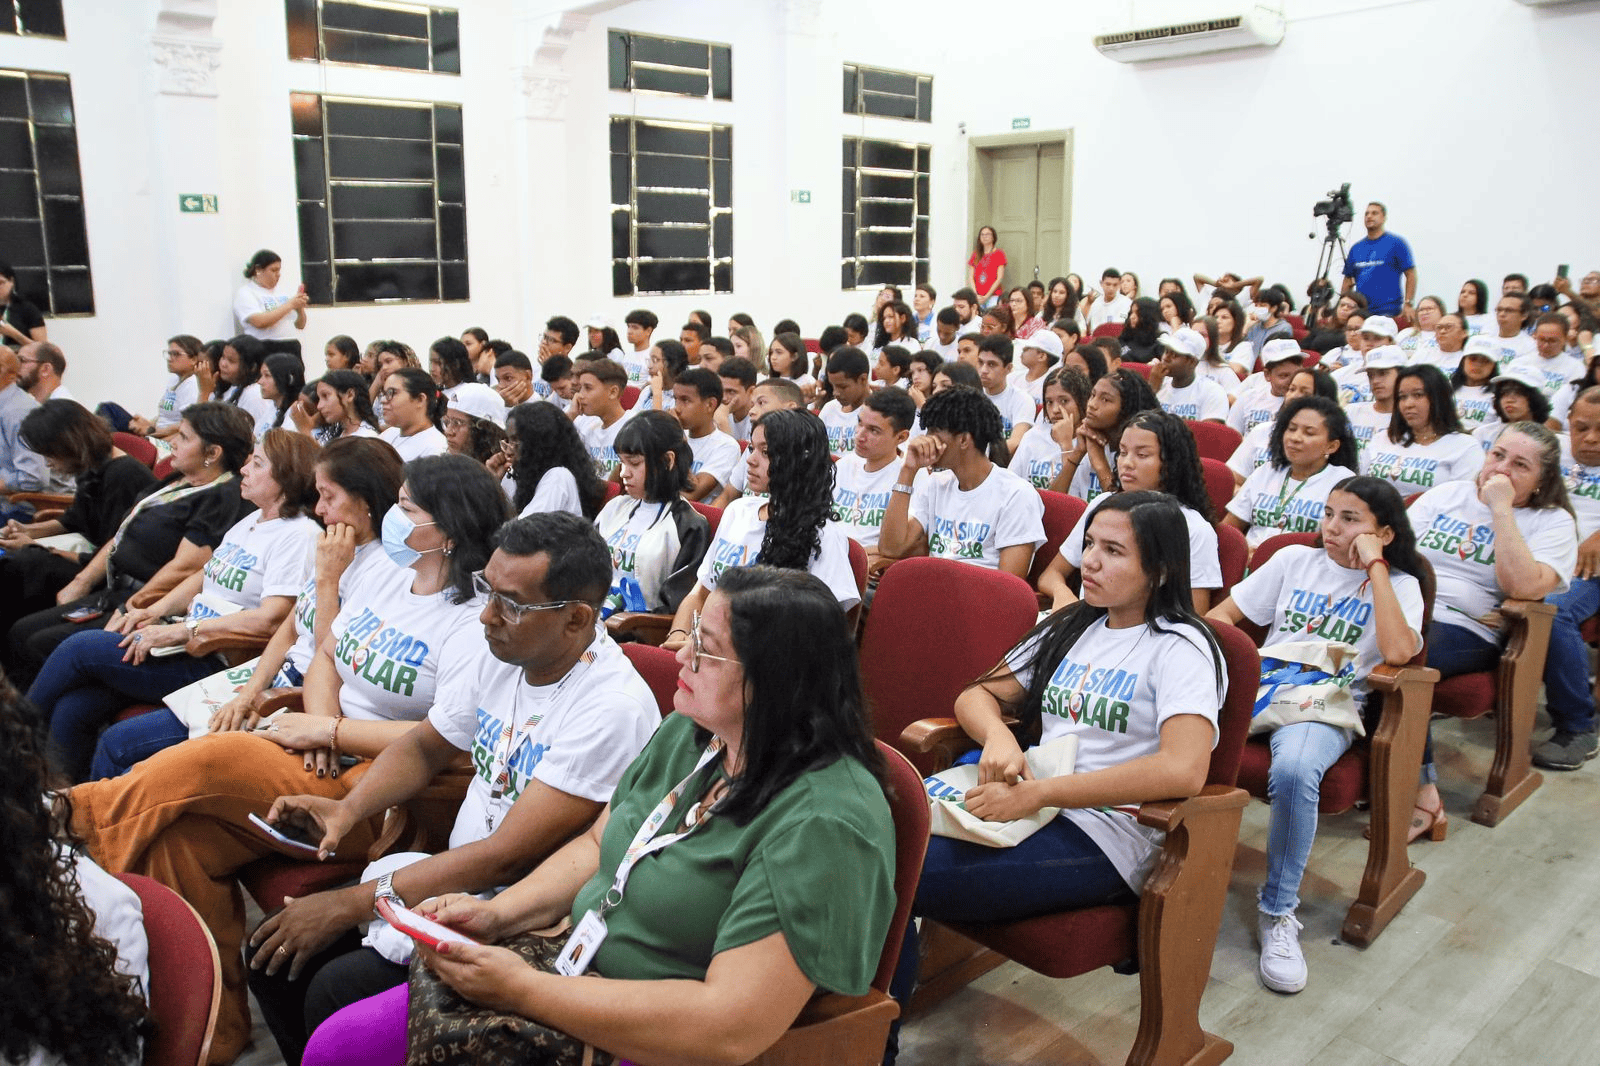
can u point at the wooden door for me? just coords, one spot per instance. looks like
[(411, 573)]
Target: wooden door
[(1015, 209)]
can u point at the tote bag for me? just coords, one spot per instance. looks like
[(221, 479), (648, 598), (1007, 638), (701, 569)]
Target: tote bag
[(950, 817), (1306, 681)]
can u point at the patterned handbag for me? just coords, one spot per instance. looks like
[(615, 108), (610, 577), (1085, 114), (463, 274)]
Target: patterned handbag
[(443, 1029)]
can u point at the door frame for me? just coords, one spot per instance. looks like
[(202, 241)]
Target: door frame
[(978, 193)]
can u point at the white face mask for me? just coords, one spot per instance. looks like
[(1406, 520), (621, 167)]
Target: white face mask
[(1263, 312)]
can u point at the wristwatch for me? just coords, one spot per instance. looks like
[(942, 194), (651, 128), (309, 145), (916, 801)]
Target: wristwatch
[(192, 625), (386, 891)]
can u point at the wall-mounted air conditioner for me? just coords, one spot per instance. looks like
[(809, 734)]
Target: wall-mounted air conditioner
[(1256, 27), (1545, 3)]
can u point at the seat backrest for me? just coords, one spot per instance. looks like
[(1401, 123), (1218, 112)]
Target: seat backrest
[(629, 397), (907, 675), (1233, 554), (612, 490), (1107, 329), (1061, 513), (163, 468), (1311, 359), (185, 976), (136, 446), (858, 566), (659, 668), (713, 516), (908, 805), (1219, 485), (1142, 369), (1243, 670), (1214, 440)]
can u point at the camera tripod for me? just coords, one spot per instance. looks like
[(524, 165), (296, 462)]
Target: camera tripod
[(1321, 290)]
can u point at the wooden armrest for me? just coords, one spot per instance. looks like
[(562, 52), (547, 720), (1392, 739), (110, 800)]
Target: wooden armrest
[(834, 1028), (933, 744), (1167, 815), (645, 628), (42, 499), (424, 821), (232, 647), (281, 699)]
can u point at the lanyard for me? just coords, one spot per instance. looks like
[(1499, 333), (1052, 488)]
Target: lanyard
[(1276, 517), (646, 842), (155, 499), (511, 738)]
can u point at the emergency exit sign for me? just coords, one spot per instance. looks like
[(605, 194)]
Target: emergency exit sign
[(1021, 123), (195, 203), (800, 196)]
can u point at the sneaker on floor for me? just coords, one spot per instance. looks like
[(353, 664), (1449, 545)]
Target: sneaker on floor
[(1283, 964), (1566, 751)]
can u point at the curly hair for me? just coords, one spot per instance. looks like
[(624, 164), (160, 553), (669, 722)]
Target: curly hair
[(1134, 396), (547, 439), (64, 996), (962, 409), (1333, 418), (800, 482), (1182, 475)]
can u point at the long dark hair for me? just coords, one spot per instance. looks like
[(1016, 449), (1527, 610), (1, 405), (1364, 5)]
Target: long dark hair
[(800, 483), (1147, 330), (455, 365), (64, 996), (1483, 298), (347, 348), (1388, 507), (1183, 476), (656, 435), (1162, 536), (1051, 312), (343, 381), (419, 382), (547, 439), (252, 353), (65, 430), (1538, 403), (467, 503), (288, 375), (1442, 417), (1333, 417), (805, 709), (368, 469), (1135, 396)]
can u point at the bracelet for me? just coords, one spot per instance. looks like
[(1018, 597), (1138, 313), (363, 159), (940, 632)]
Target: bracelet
[(1375, 562), (897, 487), (685, 632), (333, 735)]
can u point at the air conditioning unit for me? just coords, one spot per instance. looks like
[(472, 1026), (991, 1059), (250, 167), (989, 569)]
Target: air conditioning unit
[(1257, 27), (1546, 3)]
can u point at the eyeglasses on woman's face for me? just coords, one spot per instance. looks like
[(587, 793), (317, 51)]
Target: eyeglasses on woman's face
[(697, 647)]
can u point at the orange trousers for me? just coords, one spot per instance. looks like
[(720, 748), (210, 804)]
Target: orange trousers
[(181, 817)]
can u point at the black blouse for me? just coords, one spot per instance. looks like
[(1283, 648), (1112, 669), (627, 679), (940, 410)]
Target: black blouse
[(103, 496), (202, 518), (23, 317)]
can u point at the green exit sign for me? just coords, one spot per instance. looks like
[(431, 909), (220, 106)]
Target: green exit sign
[(1021, 123), (800, 196), (194, 203)]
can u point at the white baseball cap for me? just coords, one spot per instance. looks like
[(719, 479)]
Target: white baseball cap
[(1480, 345), (1521, 375), (1386, 357), (1279, 349), (1186, 341), (1380, 326), (598, 321), (1047, 342), (480, 401)]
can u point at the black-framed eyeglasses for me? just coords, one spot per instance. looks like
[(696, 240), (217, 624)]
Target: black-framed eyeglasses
[(509, 608), (697, 647)]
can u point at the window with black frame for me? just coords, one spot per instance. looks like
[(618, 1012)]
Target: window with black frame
[(887, 93), (671, 206), (382, 199), (42, 229), (33, 18), (885, 198), (367, 33), (639, 62)]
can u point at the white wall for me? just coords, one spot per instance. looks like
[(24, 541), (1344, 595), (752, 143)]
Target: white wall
[(1461, 114)]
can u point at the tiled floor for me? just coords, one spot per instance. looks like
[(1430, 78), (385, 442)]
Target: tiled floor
[(1493, 962)]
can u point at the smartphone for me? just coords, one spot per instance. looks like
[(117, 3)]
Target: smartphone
[(1561, 271), (289, 836), (83, 614), (423, 930)]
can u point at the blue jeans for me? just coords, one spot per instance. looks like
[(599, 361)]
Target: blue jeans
[(1567, 694), (84, 684), (1455, 650), (1301, 754), (125, 744), (1058, 868)]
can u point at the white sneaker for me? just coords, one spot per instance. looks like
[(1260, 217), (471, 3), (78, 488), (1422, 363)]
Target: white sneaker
[(1283, 964)]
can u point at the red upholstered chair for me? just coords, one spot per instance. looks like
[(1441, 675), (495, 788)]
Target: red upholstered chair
[(1381, 768), (642, 626), (659, 668), (613, 490), (138, 447), (813, 346), (1233, 553), (1142, 369), (1061, 513), (1296, 323), (1219, 484), (185, 976), (629, 397), (982, 612), (163, 468), (1108, 329), (1213, 440), (713, 516), (1311, 359), (1169, 934)]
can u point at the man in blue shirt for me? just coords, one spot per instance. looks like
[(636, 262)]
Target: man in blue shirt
[(21, 470), (1375, 265)]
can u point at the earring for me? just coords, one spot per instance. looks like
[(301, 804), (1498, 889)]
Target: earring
[(208, 462), (448, 552)]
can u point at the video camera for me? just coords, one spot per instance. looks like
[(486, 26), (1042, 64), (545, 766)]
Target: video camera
[(1336, 207)]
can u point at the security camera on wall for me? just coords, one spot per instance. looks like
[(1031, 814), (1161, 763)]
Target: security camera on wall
[(961, 128)]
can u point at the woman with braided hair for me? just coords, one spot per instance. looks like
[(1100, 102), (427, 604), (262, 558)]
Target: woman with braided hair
[(73, 936), (790, 527)]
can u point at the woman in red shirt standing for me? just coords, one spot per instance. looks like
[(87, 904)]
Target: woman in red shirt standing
[(986, 270)]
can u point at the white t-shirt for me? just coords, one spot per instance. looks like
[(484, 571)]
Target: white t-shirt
[(262, 411), (367, 558), (1205, 566), (716, 454), (252, 299), (841, 425), (1477, 324), (1475, 406), (1368, 424), (1000, 512), (394, 648), (1103, 311), (417, 446), (1085, 483), (1455, 533), (178, 395), (738, 542), (1556, 373), (1508, 350), (1583, 487), (1038, 458), (1301, 594), (1200, 401), (1272, 502), (601, 440), (646, 400), (557, 491), (1253, 451), (740, 428), (1354, 385), (576, 735), (1243, 356), (256, 559), (1014, 406), (1414, 468), (1487, 433), (1252, 408), (1114, 690), (637, 364), (1223, 375), (1034, 388), (860, 496)]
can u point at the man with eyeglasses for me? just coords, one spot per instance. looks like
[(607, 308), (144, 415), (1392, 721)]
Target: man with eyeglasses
[(551, 718)]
